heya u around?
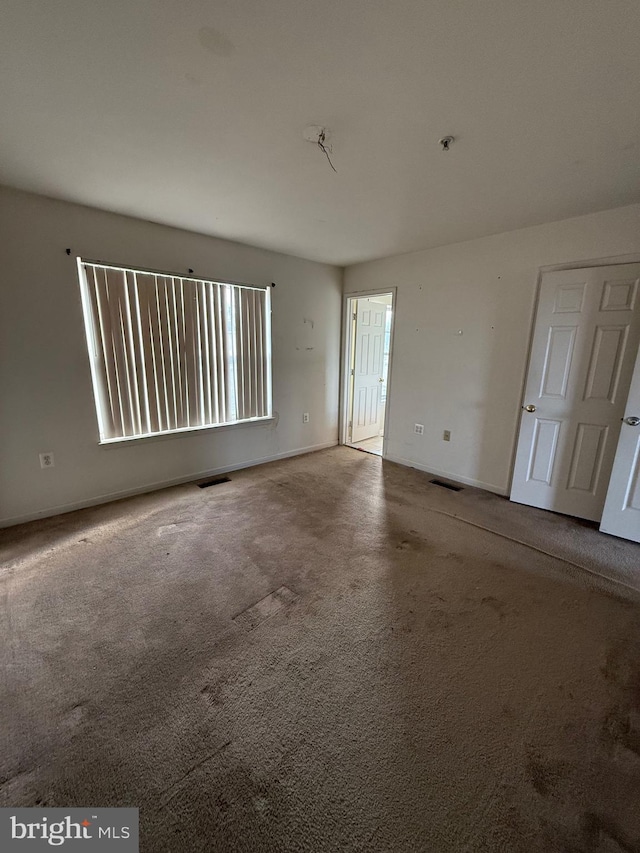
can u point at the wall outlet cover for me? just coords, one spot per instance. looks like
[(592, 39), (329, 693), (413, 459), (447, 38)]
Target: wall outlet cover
[(418, 429), (305, 418), (47, 460), (446, 435)]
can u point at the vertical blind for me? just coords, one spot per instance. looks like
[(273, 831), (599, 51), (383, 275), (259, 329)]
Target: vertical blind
[(171, 353)]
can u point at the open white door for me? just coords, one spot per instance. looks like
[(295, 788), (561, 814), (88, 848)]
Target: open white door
[(621, 515), (368, 371), (583, 354)]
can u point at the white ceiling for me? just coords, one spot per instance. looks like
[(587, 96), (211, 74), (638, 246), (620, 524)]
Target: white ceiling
[(191, 113)]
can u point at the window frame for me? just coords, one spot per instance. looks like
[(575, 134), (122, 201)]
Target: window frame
[(93, 347)]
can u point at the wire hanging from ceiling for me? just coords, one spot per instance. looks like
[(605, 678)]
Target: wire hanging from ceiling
[(325, 148)]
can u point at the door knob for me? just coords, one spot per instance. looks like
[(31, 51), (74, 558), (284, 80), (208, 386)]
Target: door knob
[(529, 408), (632, 421)]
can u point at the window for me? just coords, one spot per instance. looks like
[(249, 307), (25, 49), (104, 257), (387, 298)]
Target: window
[(170, 354)]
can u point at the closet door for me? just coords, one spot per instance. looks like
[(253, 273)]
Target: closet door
[(583, 354), (621, 515)]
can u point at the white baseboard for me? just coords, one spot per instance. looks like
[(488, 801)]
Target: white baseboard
[(457, 478), (160, 484)]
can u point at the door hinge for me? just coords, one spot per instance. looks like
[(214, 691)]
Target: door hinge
[(355, 316), (353, 370), (350, 424)]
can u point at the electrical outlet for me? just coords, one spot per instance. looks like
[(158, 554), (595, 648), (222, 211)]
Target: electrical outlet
[(418, 429), (47, 460), (446, 435), (305, 418)]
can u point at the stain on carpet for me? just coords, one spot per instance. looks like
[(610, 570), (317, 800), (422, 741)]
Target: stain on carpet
[(264, 609), (621, 723), (544, 775), (602, 834), (495, 604), (411, 542), (212, 693), (622, 726)]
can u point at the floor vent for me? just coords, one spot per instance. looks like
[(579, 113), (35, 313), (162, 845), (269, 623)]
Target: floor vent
[(446, 485), (216, 482)]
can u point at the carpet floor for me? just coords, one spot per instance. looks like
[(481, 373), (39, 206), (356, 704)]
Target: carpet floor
[(326, 653)]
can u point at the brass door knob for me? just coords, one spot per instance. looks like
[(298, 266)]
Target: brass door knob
[(529, 408)]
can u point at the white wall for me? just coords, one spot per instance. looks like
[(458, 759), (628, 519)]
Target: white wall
[(46, 401), (472, 383)]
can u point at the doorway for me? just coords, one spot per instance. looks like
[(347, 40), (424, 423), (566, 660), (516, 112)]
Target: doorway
[(368, 342), (583, 354)]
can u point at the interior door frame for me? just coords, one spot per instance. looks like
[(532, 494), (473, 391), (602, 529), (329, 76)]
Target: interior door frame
[(633, 258), (345, 372)]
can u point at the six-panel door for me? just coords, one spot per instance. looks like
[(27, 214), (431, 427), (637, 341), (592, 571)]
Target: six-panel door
[(583, 353), (369, 366), (621, 516)]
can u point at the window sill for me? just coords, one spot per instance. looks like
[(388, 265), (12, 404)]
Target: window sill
[(128, 441)]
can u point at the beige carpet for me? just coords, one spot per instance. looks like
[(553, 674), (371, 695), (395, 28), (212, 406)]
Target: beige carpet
[(420, 683)]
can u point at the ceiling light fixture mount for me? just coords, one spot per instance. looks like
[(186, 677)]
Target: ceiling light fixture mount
[(313, 132), (446, 142)]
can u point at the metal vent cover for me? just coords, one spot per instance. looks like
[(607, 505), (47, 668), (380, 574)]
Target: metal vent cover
[(215, 482), (446, 485)]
